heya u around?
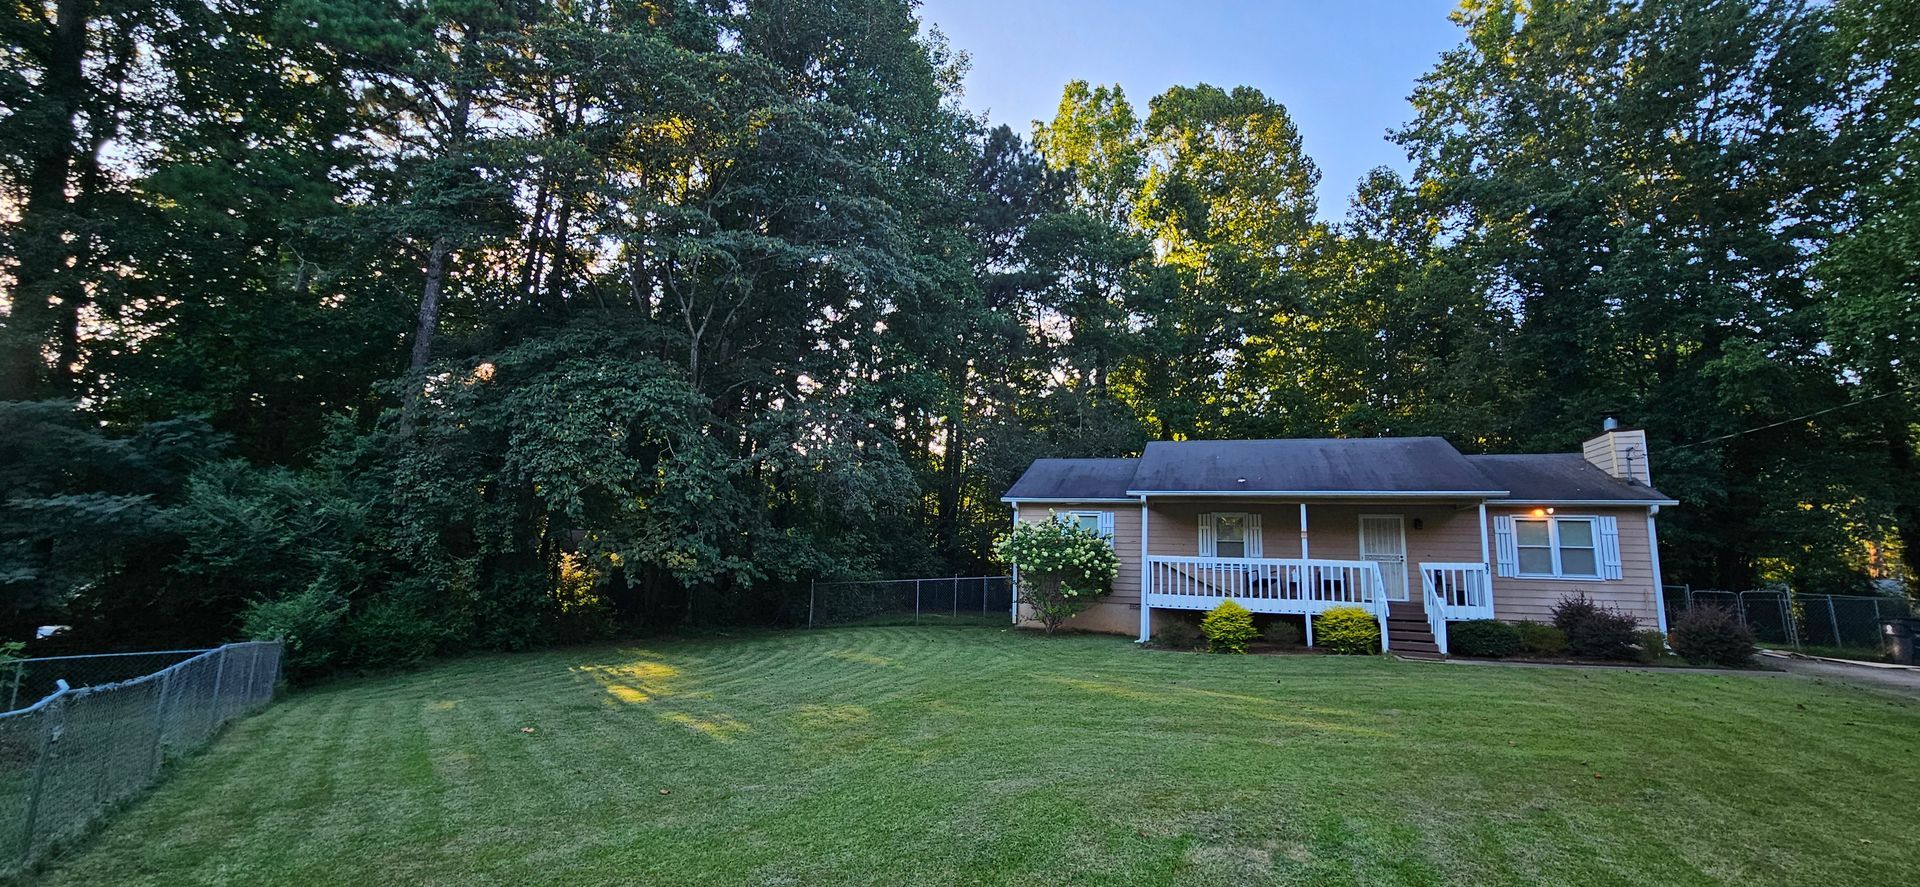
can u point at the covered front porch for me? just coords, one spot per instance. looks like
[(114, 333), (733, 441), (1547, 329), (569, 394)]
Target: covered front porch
[(1414, 564)]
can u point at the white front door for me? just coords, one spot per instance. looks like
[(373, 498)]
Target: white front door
[(1383, 540)]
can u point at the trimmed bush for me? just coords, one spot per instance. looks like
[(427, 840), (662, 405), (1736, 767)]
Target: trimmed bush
[(1178, 635), (1712, 636), (1284, 633), (1228, 627), (1596, 632), (1571, 611), (1348, 630), (1541, 639), (1483, 638)]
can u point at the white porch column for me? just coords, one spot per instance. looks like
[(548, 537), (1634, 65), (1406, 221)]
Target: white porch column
[(1659, 591), (1303, 534), (1486, 562), (1146, 578), (1013, 606)]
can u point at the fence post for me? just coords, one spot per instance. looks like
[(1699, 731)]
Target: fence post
[(253, 666), (19, 671), (916, 602), (1786, 616), (811, 583), (57, 709), (983, 597), (160, 720), (219, 675), (1833, 619), (956, 596)]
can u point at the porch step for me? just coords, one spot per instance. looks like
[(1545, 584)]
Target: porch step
[(1407, 633)]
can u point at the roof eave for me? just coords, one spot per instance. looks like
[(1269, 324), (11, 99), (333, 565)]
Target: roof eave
[(1327, 494), (1591, 502), (1016, 500)]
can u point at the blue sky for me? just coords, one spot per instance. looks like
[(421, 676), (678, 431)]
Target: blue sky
[(1344, 69)]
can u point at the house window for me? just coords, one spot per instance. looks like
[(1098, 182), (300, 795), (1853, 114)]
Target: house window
[(1230, 535), (1099, 523), (1557, 547)]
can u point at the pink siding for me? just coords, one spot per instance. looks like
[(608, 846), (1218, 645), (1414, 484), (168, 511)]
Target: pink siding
[(1533, 599)]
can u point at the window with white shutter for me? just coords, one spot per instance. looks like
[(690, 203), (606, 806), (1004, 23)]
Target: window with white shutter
[(1558, 546)]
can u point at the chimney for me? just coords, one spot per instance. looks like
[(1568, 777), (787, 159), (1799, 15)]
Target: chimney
[(1621, 452)]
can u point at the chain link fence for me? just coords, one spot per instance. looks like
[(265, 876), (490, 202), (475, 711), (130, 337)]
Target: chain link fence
[(1837, 622), (948, 600), (79, 751)]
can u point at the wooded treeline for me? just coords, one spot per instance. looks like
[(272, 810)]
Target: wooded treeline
[(412, 326)]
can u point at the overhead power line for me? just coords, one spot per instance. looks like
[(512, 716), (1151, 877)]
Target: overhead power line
[(1851, 403)]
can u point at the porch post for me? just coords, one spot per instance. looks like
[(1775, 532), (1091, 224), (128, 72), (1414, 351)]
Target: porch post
[(1484, 560), (1146, 578), (1659, 591), (1303, 534), (1013, 578)]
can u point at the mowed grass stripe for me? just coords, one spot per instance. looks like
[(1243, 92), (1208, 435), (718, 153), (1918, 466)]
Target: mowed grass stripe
[(978, 755)]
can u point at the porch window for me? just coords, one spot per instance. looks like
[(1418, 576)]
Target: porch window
[(1557, 547), (1230, 535)]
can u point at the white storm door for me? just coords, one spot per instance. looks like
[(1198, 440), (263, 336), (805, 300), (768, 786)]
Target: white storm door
[(1383, 540)]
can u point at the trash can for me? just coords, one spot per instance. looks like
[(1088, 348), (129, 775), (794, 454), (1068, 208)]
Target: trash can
[(1900, 637)]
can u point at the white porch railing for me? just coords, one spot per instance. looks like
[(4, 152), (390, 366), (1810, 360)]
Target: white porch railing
[(1454, 593), (1268, 585)]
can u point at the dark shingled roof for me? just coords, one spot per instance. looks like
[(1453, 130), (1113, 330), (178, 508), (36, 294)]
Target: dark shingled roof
[(1560, 477), (1074, 479), (1374, 465)]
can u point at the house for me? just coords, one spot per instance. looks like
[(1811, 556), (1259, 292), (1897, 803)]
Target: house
[(1409, 529)]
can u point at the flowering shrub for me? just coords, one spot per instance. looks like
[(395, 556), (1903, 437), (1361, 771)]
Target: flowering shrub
[(1229, 628), (1062, 568)]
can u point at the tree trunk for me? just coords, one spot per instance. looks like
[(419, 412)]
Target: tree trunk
[(45, 214), (430, 302)]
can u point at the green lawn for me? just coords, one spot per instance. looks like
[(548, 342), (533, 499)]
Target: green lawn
[(957, 755)]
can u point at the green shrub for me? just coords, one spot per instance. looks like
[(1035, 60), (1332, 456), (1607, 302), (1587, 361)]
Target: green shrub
[(1228, 627), (309, 624), (1571, 611), (1178, 635), (1283, 633), (1596, 632), (1484, 638), (1541, 639), (1649, 645), (393, 631), (1063, 568), (1712, 635), (1348, 630)]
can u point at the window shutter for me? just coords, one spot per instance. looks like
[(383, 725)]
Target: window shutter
[(1609, 543), (1253, 535), (1106, 528), (1207, 547), (1506, 554)]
